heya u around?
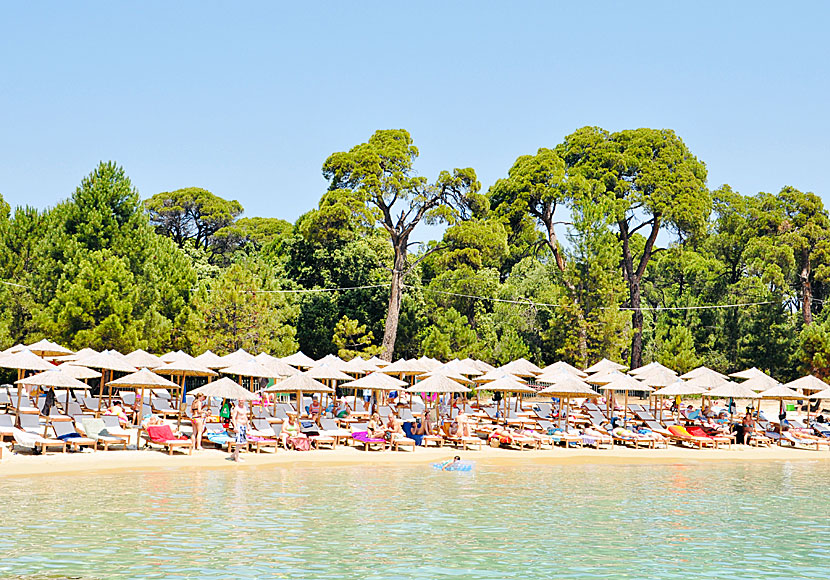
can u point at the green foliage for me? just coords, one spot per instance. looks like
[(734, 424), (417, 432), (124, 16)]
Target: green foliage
[(352, 339), (191, 213)]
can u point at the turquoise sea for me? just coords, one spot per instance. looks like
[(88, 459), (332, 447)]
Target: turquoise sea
[(741, 520)]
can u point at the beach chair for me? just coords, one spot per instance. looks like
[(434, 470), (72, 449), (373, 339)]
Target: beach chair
[(697, 431), (162, 407), (97, 430), (31, 424), (5, 400), (311, 430), (217, 435), (91, 404), (821, 429), (113, 424), (6, 427), (128, 398), (162, 394), (261, 435), (163, 435), (329, 428), (679, 434), (36, 442), (68, 433)]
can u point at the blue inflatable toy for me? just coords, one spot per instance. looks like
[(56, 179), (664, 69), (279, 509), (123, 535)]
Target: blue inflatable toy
[(454, 465)]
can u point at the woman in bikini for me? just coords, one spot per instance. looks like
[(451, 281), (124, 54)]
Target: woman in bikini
[(199, 412)]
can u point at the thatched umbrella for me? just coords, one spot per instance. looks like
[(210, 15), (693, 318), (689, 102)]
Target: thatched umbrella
[(238, 356), (617, 381), (700, 371), (84, 352), (378, 362), (780, 393), (677, 389), (299, 384), (106, 362), (521, 367), (650, 367), (333, 361), (275, 365), (604, 366), (808, 384), (750, 373), (457, 367), (78, 372), (565, 388), (731, 390), (438, 384), (760, 383), (174, 355), (426, 362), (299, 360), (562, 365), (375, 381), (821, 395), (54, 379), (24, 360), (210, 359), (225, 388), (249, 368), (480, 365), (140, 380), (183, 368), (510, 384), (44, 348), (329, 374), (143, 359)]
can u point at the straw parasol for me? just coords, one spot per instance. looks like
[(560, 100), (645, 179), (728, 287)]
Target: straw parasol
[(332, 361), (54, 379), (184, 367), (426, 362), (625, 383), (24, 360), (238, 356), (494, 375), (760, 383), (438, 384), (457, 367), (275, 365), (678, 388), (649, 368), (700, 371), (140, 380), (707, 381), (299, 384), (249, 368), (562, 365), (604, 366), (210, 359), (522, 368), (750, 374), (732, 391), (141, 358), (48, 348), (299, 360), (359, 366), (656, 376), (379, 362), (73, 357), (174, 355), (780, 393), (481, 366), (807, 383), (567, 387), (78, 372), (225, 389), (377, 382), (510, 384)]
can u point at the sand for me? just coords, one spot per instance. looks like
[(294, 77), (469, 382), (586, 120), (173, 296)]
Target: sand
[(24, 464)]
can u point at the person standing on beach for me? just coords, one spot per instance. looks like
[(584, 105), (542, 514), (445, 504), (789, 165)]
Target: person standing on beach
[(239, 416), (199, 412)]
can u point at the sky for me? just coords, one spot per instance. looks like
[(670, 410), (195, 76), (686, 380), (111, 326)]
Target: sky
[(247, 99)]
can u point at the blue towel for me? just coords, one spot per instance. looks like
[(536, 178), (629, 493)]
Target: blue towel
[(407, 429)]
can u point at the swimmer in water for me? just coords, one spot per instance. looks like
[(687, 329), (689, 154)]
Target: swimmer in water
[(450, 464)]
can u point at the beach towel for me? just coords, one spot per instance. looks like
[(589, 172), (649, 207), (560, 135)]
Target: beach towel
[(163, 433), (220, 437), (300, 443), (363, 437)]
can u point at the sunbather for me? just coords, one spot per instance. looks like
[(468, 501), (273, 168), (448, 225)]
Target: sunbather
[(374, 428), (748, 423)]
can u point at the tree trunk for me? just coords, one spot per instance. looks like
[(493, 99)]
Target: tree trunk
[(806, 292), (393, 313), (637, 325)]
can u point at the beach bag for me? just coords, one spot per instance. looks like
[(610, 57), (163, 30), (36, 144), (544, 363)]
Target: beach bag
[(300, 443), (309, 428)]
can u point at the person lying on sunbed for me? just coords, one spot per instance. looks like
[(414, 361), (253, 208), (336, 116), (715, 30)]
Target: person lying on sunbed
[(375, 428), (394, 427)]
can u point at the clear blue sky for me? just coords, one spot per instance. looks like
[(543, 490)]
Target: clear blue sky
[(247, 99)]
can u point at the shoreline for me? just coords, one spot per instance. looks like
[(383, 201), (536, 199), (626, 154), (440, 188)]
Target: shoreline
[(24, 465)]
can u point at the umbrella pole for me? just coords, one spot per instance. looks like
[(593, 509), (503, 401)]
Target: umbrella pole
[(625, 410), (181, 403), (19, 397), (101, 392)]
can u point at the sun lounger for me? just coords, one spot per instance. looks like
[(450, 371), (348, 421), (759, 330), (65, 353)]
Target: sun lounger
[(32, 441), (162, 407), (329, 428), (217, 435), (679, 434), (97, 430), (368, 442), (31, 424), (698, 431), (67, 433), (822, 429), (163, 435), (6, 427), (794, 440)]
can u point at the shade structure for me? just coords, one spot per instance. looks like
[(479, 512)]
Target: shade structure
[(185, 367), (457, 377), (679, 389), (760, 383), (494, 375), (509, 384), (106, 360), (78, 372), (332, 361), (48, 348), (625, 383), (249, 368), (428, 363), (808, 383), (522, 368), (174, 355), (750, 374), (707, 381), (781, 392), (25, 360), (825, 394), (302, 383), (377, 382), (14, 348), (54, 379), (569, 387), (405, 367), (359, 365), (299, 360), (550, 376), (236, 357), (379, 362), (555, 367), (326, 372), (143, 378), (439, 384), (457, 367), (604, 366), (73, 357), (480, 365), (143, 359), (226, 389), (210, 359), (700, 371), (649, 368), (607, 377), (277, 366), (656, 376), (732, 390)]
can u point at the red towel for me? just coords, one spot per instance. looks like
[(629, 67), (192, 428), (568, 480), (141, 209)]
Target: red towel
[(162, 433)]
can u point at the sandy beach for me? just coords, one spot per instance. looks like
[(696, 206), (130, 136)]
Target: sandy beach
[(86, 462)]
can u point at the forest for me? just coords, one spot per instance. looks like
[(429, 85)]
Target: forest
[(606, 244)]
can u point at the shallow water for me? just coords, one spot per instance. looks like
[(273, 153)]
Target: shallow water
[(589, 521)]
